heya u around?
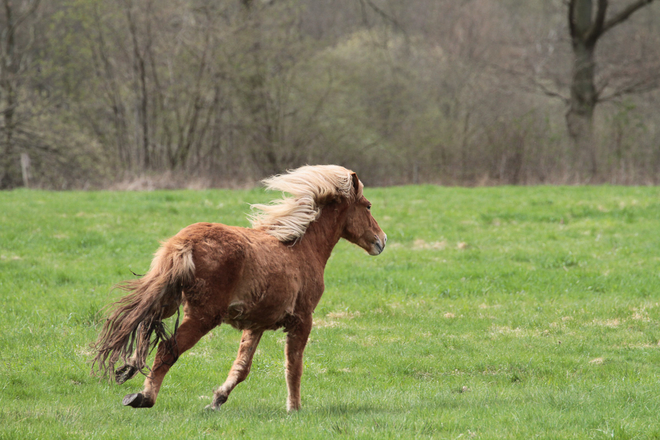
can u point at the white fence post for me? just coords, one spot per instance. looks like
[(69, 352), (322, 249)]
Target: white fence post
[(25, 169)]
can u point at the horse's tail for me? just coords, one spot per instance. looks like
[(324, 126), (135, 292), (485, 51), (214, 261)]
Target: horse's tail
[(136, 317)]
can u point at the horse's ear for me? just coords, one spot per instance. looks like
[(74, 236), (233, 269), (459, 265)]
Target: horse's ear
[(357, 185)]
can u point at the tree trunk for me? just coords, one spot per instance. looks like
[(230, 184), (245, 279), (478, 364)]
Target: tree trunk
[(7, 74), (579, 118), (13, 68), (141, 92), (586, 27)]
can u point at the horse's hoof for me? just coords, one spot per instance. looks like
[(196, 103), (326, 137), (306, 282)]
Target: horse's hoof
[(217, 403), (125, 373), (137, 400)]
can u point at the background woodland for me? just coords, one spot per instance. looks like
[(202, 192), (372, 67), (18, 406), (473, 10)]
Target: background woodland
[(136, 94)]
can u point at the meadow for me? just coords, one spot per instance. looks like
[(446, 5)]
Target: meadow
[(507, 312)]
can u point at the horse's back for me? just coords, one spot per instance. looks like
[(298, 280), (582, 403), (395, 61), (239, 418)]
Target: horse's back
[(220, 252), (244, 275)]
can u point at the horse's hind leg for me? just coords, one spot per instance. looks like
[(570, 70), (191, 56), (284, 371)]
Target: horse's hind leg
[(128, 371), (240, 369), (187, 335)]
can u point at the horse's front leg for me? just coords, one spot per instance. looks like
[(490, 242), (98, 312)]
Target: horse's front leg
[(187, 335), (240, 369), (296, 340)]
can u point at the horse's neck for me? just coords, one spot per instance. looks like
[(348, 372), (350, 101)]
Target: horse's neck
[(323, 234)]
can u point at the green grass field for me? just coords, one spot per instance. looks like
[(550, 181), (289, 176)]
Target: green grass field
[(510, 312)]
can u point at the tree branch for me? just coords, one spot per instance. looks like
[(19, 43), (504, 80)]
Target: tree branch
[(643, 85), (530, 84), (571, 19), (21, 18), (597, 27), (384, 15), (624, 14)]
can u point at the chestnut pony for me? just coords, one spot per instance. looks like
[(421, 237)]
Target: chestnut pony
[(255, 279)]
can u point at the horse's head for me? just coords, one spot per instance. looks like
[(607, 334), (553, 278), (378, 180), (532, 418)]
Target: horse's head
[(347, 213), (360, 227)]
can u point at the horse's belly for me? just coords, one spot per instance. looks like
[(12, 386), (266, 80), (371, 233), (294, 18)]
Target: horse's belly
[(263, 309), (262, 315)]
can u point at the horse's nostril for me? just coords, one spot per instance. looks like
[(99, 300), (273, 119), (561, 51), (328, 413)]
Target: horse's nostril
[(385, 238)]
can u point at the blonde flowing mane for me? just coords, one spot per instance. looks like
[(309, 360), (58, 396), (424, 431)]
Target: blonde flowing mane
[(287, 219)]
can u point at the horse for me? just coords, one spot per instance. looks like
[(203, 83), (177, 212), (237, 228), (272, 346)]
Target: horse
[(266, 277)]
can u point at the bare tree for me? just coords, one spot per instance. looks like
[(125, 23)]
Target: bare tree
[(14, 62), (586, 27), (140, 75)]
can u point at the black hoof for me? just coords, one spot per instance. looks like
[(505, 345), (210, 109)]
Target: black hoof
[(137, 400), (125, 373)]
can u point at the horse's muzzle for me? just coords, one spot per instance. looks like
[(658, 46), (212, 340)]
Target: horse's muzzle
[(379, 245)]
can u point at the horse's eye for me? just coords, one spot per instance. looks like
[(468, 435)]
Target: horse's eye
[(369, 207)]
